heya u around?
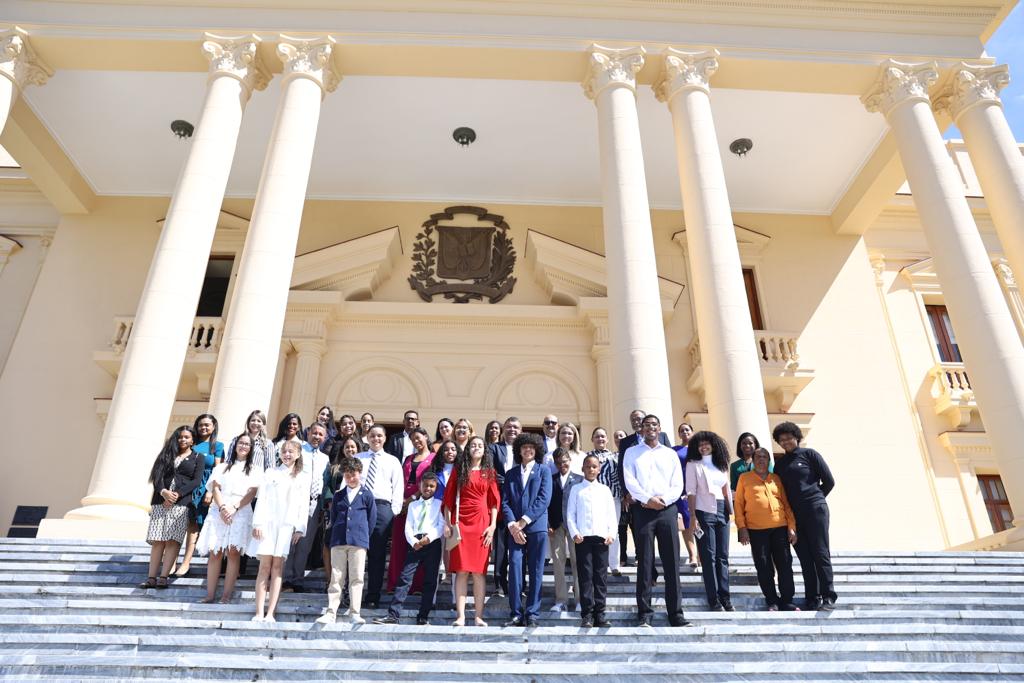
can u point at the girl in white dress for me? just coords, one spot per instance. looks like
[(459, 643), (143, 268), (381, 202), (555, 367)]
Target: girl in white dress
[(282, 511), (228, 526)]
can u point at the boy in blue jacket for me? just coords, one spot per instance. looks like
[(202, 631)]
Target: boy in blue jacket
[(353, 515)]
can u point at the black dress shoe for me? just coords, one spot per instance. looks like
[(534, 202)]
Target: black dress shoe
[(517, 623), (530, 621), (601, 622), (812, 604), (386, 619), (586, 622), (717, 607), (682, 623), (422, 621), (645, 622), (727, 606), (828, 604)]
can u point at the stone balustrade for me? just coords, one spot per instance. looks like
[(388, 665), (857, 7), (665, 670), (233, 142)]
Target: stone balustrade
[(205, 336), (952, 393)]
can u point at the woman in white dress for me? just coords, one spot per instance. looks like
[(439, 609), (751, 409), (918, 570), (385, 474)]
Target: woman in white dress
[(282, 511), (228, 526)]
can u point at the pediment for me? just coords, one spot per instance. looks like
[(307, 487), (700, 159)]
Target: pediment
[(749, 242), (570, 274), (355, 267)]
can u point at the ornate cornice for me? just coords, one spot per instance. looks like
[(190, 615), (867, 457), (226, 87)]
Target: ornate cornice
[(236, 57), (608, 67), (900, 83), (685, 71), (19, 62), (1004, 272), (309, 58), (971, 86)]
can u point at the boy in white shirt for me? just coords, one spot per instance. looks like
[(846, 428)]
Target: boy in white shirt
[(424, 531), (590, 519)]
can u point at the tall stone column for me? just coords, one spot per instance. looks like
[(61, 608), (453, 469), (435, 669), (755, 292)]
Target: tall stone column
[(252, 339), (597, 317), (972, 99), (637, 335), (733, 388), (308, 354), (987, 338), (19, 67), (148, 380)]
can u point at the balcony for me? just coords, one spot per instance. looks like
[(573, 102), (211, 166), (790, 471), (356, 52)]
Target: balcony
[(952, 394), (200, 359), (779, 357)]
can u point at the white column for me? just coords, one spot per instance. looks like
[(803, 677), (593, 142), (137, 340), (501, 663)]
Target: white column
[(973, 101), (733, 388), (600, 351), (274, 415), (252, 339), (987, 338), (19, 67), (637, 340), (308, 354), (148, 380)]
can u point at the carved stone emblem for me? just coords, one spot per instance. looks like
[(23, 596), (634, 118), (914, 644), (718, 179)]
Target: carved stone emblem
[(463, 263)]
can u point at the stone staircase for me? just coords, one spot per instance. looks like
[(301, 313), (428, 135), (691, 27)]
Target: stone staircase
[(70, 611)]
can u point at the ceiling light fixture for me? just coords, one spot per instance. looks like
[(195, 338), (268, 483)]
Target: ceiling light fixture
[(741, 146), (183, 129), (464, 136)]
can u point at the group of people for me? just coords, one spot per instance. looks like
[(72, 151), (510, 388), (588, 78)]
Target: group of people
[(398, 508)]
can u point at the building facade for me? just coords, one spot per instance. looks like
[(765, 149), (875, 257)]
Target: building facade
[(723, 213)]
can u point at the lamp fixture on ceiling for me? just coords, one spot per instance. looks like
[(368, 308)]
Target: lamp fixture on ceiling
[(740, 146), (464, 136), (183, 129)]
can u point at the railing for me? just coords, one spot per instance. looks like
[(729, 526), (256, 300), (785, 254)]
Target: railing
[(951, 379), (773, 349), (952, 393), (205, 336)]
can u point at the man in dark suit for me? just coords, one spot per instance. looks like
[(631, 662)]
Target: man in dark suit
[(524, 505), (503, 458), (399, 444)]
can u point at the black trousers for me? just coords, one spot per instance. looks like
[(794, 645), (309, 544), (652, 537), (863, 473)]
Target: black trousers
[(377, 555), (657, 526), (624, 536), (430, 558), (713, 548), (813, 550), (592, 567), (500, 558), (770, 549)]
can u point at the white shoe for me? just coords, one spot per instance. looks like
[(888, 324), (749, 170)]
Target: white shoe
[(558, 607), (356, 619), (258, 620), (327, 618), (269, 620)]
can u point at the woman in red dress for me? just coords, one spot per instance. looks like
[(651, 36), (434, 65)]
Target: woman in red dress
[(415, 465), (474, 491)]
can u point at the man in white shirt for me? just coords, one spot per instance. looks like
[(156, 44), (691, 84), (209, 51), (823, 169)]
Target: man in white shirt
[(654, 479), (504, 460), (592, 525), (314, 462), (550, 437), (382, 475)]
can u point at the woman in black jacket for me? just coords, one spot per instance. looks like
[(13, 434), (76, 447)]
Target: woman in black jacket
[(176, 473)]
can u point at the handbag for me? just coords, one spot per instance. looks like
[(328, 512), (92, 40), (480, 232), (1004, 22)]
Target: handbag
[(456, 537)]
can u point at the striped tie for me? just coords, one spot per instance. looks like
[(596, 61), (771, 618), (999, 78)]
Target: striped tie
[(371, 472)]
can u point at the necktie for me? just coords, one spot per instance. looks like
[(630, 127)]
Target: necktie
[(371, 472)]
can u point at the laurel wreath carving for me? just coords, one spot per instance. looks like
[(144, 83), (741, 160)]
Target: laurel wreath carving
[(496, 285)]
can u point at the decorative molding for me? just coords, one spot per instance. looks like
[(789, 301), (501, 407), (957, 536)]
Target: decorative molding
[(972, 85), (7, 247), (751, 244), (1004, 272), (236, 57), (608, 67), (900, 83), (970, 448), (18, 61), (309, 58), (355, 267), (685, 71)]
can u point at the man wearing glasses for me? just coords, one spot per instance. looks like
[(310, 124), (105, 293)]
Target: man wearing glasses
[(654, 480), (550, 438), (400, 443)]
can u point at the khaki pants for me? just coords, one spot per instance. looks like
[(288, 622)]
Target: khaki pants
[(346, 563), (562, 547)]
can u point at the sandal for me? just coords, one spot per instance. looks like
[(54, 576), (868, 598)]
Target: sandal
[(150, 582), (161, 582)]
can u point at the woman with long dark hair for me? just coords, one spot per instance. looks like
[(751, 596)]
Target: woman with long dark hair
[(347, 426), (289, 429), (176, 473), (324, 416), (710, 502), (263, 454), (366, 420), (228, 525), (471, 502), (744, 462), (444, 431), (205, 429), (492, 432)]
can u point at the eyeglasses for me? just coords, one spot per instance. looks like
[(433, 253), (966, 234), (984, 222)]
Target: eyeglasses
[(549, 423)]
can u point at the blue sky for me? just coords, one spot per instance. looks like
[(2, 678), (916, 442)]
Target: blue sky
[(1007, 47)]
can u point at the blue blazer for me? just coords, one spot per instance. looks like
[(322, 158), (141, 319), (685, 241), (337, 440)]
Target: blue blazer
[(532, 501), (351, 524), (496, 450)]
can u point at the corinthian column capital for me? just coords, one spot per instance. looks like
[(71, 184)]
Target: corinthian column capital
[(685, 71), (607, 67), (309, 58), (236, 57), (971, 86), (900, 83), (19, 62)]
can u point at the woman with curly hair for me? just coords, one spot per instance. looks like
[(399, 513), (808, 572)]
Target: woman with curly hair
[(710, 502)]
